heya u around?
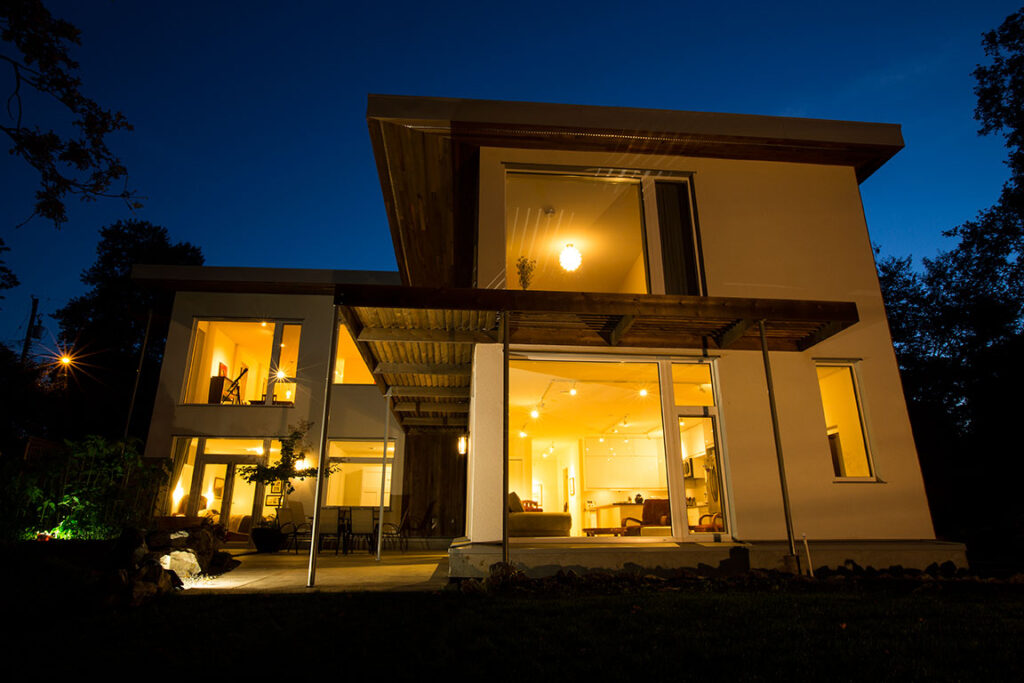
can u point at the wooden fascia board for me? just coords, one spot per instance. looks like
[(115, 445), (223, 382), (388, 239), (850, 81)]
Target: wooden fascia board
[(656, 305)]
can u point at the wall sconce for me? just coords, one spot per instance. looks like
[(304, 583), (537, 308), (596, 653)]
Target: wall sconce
[(463, 444)]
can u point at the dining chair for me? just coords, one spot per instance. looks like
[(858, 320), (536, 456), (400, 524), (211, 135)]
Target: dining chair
[(362, 526)]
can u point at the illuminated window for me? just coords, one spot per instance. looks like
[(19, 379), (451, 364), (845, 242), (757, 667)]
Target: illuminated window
[(595, 445), (589, 233), (349, 366), (354, 479), (844, 422), (243, 363)]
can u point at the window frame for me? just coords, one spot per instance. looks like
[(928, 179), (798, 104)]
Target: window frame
[(670, 413), (865, 431), (651, 230), (275, 358), (389, 461)]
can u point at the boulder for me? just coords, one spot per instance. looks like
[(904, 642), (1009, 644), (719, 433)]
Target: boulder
[(182, 562)]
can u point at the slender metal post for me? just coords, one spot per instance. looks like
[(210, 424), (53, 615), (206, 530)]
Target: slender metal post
[(135, 389), (504, 437), (778, 445), (322, 463), (383, 470)]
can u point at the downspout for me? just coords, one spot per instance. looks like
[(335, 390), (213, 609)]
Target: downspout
[(792, 560), (504, 437), (322, 465), (383, 469)]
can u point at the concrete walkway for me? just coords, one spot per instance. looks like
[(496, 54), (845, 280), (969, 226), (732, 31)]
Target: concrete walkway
[(424, 570)]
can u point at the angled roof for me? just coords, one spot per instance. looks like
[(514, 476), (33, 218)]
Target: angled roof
[(427, 152)]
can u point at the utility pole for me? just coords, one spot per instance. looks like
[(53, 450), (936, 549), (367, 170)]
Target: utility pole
[(30, 332)]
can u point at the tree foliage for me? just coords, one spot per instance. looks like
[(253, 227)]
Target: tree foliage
[(35, 46), (107, 324), (958, 330)]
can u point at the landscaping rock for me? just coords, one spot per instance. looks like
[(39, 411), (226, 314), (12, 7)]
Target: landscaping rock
[(182, 562)]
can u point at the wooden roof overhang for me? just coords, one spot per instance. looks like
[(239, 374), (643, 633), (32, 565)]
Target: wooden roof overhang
[(427, 153), (418, 341)]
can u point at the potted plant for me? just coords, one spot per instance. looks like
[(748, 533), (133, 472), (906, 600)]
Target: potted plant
[(268, 537)]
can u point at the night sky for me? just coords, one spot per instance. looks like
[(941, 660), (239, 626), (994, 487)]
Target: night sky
[(250, 134)]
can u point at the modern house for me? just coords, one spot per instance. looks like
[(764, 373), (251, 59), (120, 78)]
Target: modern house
[(616, 336)]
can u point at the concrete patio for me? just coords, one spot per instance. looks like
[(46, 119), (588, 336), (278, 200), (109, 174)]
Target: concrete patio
[(420, 570)]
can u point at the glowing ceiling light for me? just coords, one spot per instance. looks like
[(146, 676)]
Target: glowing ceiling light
[(534, 413), (572, 392), (643, 392), (463, 444), (281, 374), (522, 434), (570, 258)]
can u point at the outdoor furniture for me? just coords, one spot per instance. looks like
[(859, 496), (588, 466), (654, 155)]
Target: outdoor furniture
[(330, 527), (362, 527), (397, 533), (292, 523)]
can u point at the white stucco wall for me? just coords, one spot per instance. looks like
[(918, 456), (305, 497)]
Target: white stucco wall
[(774, 230), (484, 475), (357, 412)]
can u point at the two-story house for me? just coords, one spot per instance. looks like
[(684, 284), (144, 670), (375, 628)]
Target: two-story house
[(616, 336)]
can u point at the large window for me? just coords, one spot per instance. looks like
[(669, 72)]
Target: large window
[(588, 444), (354, 479), (243, 363), (625, 233), (349, 366), (844, 423)]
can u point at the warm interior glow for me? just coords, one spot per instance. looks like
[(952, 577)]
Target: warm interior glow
[(176, 497), (570, 259), (843, 422), (349, 366), (551, 220)]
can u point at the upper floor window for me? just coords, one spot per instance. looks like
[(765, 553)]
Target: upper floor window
[(243, 363), (631, 234), (349, 366)]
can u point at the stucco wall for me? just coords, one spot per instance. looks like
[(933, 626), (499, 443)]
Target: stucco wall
[(775, 230), (357, 412)]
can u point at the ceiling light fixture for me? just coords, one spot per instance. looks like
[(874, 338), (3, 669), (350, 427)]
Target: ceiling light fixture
[(570, 258)]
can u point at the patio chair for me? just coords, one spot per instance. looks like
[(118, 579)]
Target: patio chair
[(397, 534), (361, 526), (330, 527), (292, 522)]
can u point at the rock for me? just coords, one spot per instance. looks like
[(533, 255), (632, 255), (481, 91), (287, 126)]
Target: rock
[(183, 562), (221, 562), (158, 539)]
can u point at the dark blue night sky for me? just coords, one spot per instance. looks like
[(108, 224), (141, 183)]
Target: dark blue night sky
[(250, 134)]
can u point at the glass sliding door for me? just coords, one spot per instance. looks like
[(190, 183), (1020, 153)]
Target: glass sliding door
[(586, 449)]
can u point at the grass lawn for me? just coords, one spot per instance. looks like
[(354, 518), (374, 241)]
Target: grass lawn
[(899, 630)]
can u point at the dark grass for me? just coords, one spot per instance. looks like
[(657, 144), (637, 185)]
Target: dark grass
[(948, 631), (754, 628)]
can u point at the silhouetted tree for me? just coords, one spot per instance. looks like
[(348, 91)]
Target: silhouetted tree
[(958, 331), (106, 326), (76, 162)]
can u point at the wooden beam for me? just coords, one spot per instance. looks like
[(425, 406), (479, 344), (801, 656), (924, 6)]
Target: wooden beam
[(596, 303), (435, 392), (735, 331), (381, 334), (622, 326), (421, 369), (456, 421), (430, 407)]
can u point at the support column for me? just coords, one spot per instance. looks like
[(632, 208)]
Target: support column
[(792, 560), (322, 461), (383, 470), (504, 437)]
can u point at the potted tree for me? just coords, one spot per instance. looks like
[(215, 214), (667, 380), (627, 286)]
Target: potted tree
[(268, 537)]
